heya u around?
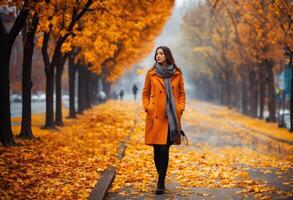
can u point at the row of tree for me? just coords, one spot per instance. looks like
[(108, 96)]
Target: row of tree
[(236, 48), (100, 40)]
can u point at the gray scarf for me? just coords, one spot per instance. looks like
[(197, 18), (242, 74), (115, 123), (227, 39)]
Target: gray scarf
[(166, 73)]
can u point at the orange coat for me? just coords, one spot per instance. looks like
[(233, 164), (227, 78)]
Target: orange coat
[(154, 99)]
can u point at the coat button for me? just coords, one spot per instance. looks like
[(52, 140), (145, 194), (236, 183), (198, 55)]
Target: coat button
[(156, 117), (153, 103), (172, 87), (160, 91)]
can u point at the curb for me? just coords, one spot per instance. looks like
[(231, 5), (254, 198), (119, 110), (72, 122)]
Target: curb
[(100, 190)]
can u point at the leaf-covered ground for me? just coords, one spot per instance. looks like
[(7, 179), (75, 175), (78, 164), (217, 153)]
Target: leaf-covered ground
[(230, 157), (65, 163)]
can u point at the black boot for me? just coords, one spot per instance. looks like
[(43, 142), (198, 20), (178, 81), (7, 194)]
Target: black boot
[(161, 185), (162, 158), (163, 163)]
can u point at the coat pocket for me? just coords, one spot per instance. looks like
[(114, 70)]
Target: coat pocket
[(150, 110), (149, 122)]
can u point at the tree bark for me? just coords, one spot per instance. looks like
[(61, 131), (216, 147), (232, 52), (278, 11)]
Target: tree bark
[(222, 90), (93, 88), (237, 102), (291, 92), (228, 87), (72, 72), (87, 88), (253, 84), (271, 92), (6, 41), (79, 91), (82, 91), (28, 49), (225, 90), (49, 123), (49, 72), (262, 88), (244, 94), (5, 119), (58, 85)]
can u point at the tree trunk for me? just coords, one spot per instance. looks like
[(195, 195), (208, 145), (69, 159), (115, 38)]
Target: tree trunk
[(262, 88), (244, 95), (49, 123), (232, 91), (79, 91), (28, 49), (6, 41), (225, 90), (253, 94), (210, 90), (221, 89), (5, 119), (49, 72), (237, 103), (59, 70), (82, 91), (93, 88), (291, 92), (228, 75), (217, 88), (72, 72), (271, 92), (87, 88)]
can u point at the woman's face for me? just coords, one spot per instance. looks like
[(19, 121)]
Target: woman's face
[(160, 57)]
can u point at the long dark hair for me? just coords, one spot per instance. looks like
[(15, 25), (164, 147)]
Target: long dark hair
[(168, 55)]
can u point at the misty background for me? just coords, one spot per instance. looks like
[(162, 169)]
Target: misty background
[(172, 37)]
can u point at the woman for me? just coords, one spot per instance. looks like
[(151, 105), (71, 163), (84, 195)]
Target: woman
[(163, 99)]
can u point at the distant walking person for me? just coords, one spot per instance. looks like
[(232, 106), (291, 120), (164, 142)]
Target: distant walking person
[(121, 94), (134, 91), (163, 99)]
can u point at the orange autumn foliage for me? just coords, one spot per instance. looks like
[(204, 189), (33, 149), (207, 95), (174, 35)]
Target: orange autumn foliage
[(65, 163), (111, 42), (223, 38)]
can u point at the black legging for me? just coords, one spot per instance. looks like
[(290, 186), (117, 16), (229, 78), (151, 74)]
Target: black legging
[(161, 156)]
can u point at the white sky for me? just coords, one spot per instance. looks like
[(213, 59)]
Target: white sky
[(180, 2)]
